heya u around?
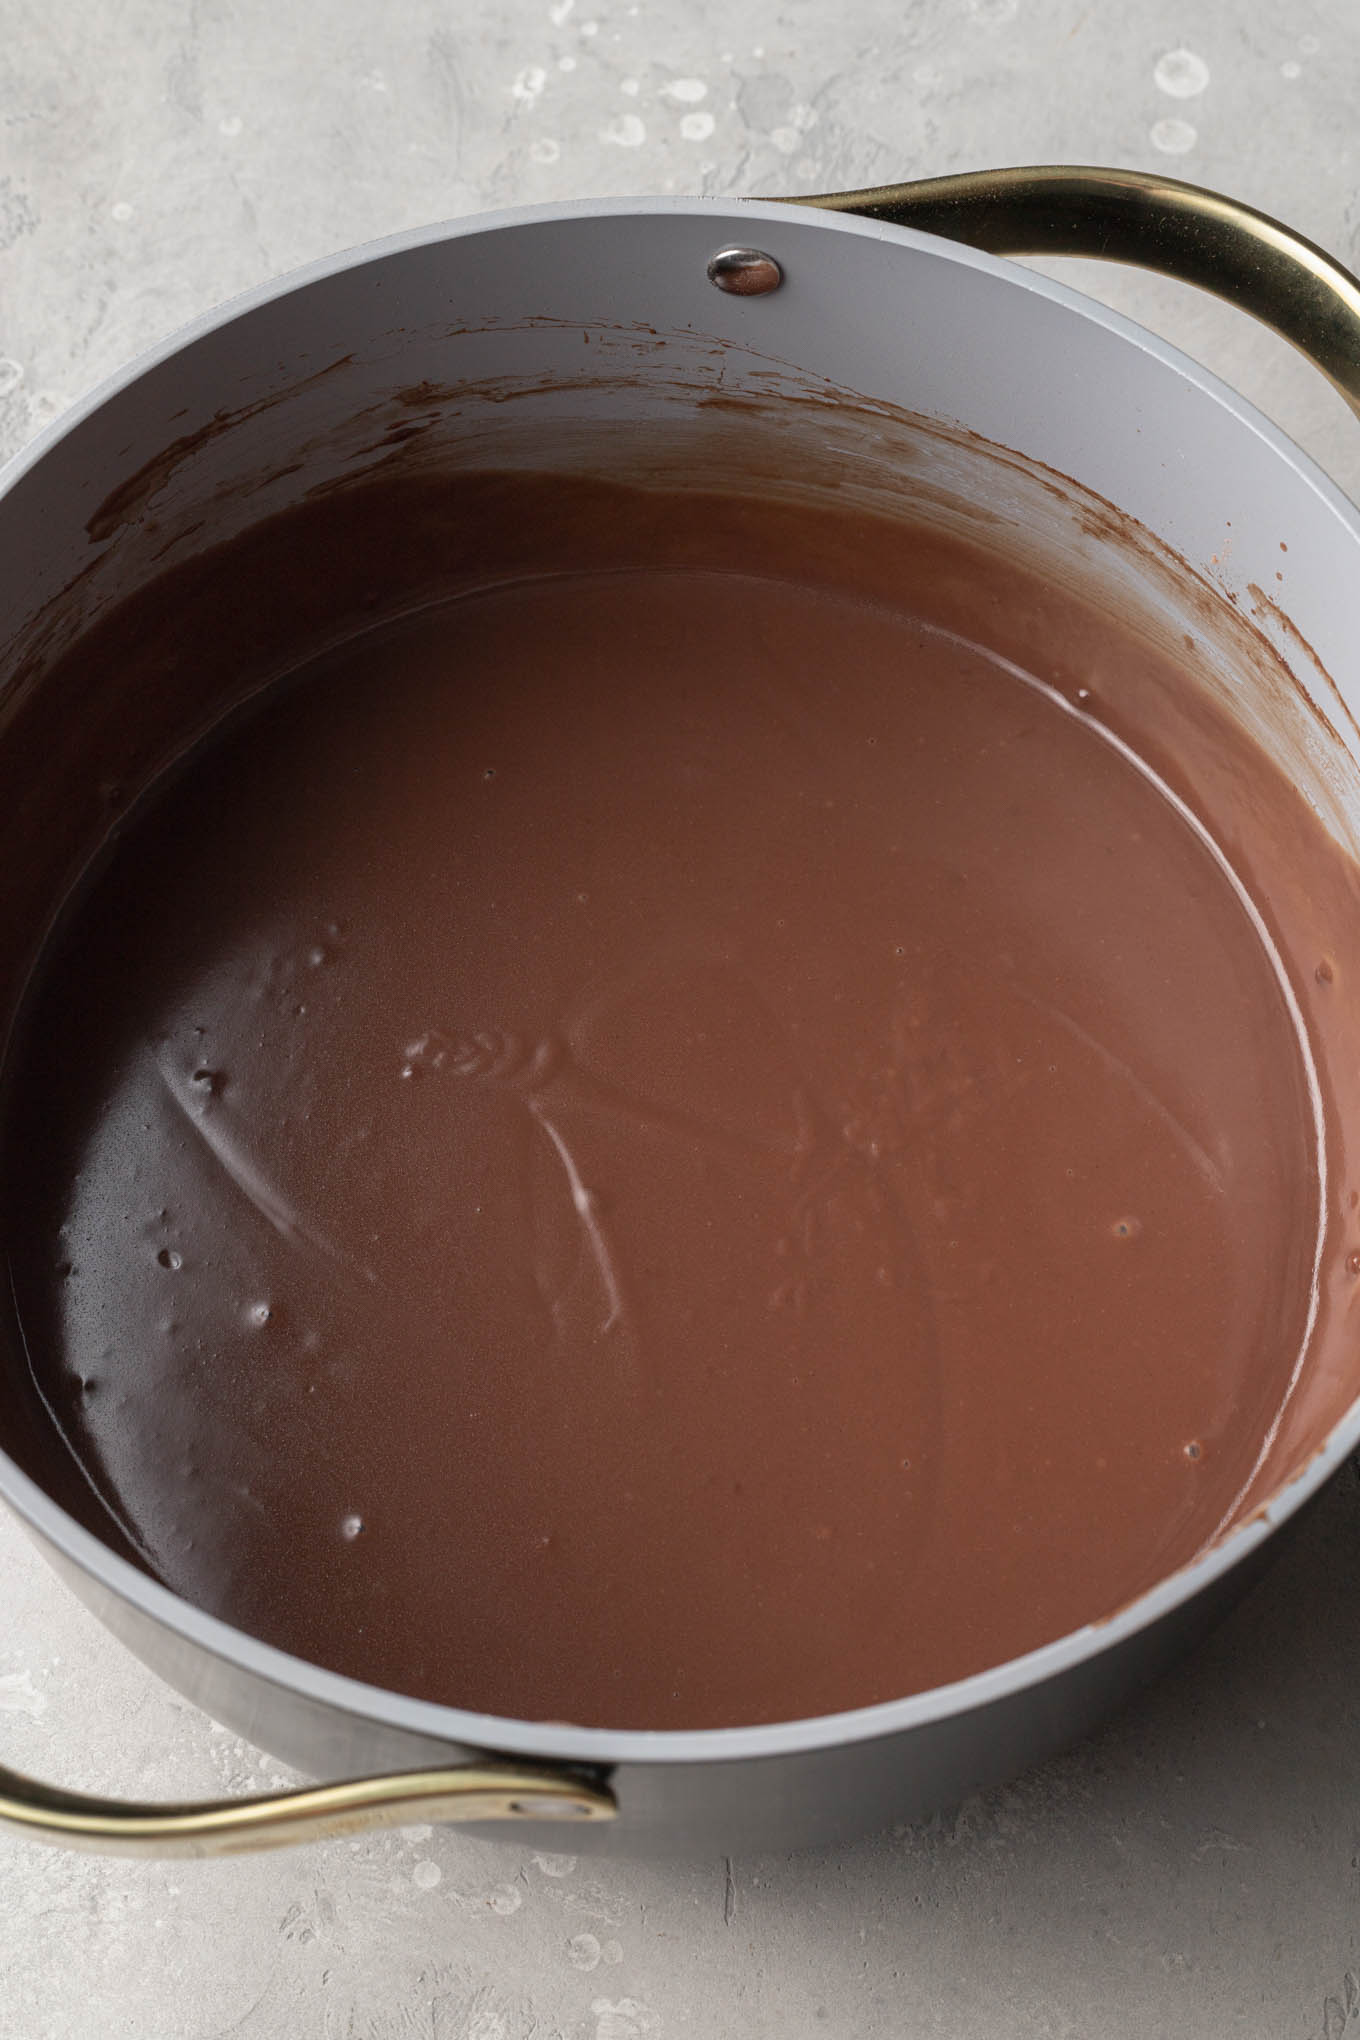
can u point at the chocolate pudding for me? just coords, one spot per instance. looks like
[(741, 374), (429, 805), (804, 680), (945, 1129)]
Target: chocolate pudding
[(671, 1148)]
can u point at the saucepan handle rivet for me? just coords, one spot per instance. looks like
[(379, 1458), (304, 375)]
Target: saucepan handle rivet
[(535, 1808), (744, 272)]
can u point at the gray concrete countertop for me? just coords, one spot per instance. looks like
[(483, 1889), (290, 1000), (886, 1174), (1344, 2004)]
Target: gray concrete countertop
[(1195, 1870)]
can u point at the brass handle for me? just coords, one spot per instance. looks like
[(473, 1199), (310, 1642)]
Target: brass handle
[(1156, 223), (314, 1813)]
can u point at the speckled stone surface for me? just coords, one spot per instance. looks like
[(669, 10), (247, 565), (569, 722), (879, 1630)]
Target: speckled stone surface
[(1195, 1871)]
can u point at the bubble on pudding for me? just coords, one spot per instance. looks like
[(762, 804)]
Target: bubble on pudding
[(258, 1314), (168, 1258), (1127, 1228), (351, 1527)]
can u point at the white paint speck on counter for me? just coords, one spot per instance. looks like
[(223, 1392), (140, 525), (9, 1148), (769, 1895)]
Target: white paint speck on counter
[(1181, 74), (1173, 137)]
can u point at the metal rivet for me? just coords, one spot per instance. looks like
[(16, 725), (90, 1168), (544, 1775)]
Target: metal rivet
[(536, 1808), (745, 272)]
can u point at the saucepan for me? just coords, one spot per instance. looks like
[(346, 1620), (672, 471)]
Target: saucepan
[(875, 307)]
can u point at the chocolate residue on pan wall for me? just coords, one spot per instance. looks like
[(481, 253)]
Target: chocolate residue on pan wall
[(717, 415), (1279, 627), (133, 498)]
